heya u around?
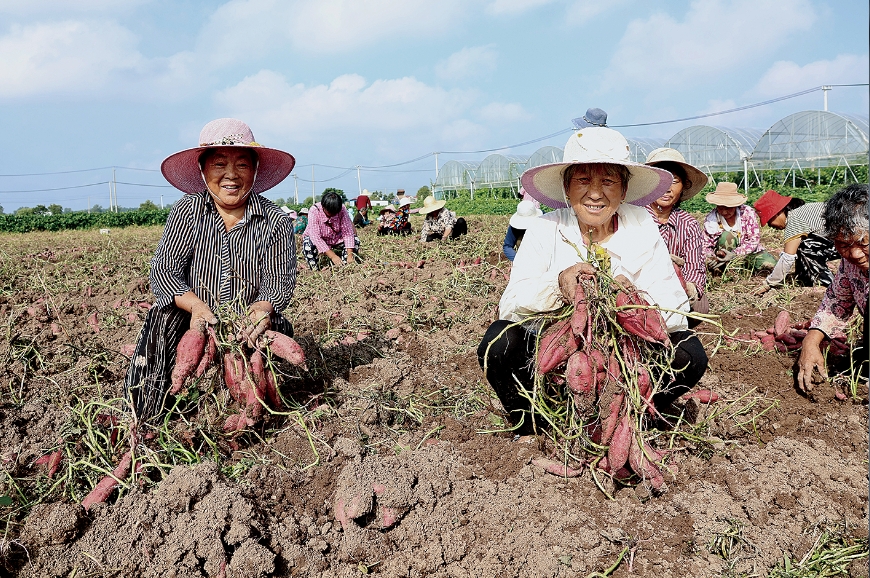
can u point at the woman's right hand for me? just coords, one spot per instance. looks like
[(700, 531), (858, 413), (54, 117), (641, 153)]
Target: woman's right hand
[(201, 316), (570, 277), (811, 359)]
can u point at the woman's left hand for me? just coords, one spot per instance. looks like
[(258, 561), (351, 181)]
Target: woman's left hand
[(624, 284), (256, 323)]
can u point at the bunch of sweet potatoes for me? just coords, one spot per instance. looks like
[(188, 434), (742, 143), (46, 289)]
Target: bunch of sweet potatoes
[(784, 336)]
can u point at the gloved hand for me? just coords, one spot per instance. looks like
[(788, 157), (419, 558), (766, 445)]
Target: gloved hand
[(692, 292)]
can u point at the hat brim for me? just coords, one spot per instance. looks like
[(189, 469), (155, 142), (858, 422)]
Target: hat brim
[(183, 172), (647, 183), (434, 207), (725, 200), (524, 222), (698, 178)]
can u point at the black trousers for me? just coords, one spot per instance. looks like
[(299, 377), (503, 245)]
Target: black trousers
[(459, 229), (149, 376), (511, 359)]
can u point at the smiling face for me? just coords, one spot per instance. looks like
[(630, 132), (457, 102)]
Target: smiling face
[(855, 249), (594, 192), (229, 175)]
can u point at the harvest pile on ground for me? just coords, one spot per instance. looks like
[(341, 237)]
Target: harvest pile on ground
[(390, 455)]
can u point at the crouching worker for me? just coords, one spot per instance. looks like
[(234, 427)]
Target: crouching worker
[(589, 190), (223, 245), (440, 223), (330, 232), (846, 224)]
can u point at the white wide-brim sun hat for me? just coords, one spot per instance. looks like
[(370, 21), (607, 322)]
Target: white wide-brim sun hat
[(695, 175), (183, 172), (596, 145), (525, 215)]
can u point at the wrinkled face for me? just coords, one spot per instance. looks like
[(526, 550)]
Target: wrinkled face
[(854, 249), (727, 213), (779, 221), (594, 196), (670, 198), (229, 175)]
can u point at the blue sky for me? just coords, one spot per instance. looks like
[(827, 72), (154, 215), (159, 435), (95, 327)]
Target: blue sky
[(99, 83)]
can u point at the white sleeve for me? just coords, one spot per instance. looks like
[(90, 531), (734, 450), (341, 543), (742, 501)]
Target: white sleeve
[(783, 267), (534, 283)]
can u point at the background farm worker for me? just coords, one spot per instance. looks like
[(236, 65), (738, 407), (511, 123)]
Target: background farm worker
[(363, 204), (846, 224), (526, 212), (590, 190), (732, 230), (301, 221), (679, 229), (386, 220), (440, 223), (806, 251), (224, 245), (402, 223), (289, 212), (329, 232)]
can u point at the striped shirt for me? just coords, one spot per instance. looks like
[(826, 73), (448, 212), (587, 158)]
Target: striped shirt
[(253, 261), (804, 220), (327, 232), (682, 235)]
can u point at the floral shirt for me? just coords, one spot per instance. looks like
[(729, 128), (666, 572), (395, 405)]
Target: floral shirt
[(445, 220), (387, 220), (848, 290), (749, 235), (401, 220)]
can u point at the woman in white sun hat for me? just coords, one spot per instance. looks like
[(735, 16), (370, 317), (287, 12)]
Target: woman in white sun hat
[(520, 221), (224, 245), (440, 223), (594, 189), (679, 229)]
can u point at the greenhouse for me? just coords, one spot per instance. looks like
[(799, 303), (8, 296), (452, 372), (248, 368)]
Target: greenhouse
[(455, 175), (640, 148), (715, 149), (545, 156), (813, 139), (500, 171)]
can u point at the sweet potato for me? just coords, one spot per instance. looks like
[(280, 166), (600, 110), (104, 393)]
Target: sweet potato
[(104, 487), (643, 467), (208, 355), (648, 324), (93, 322), (581, 312), (50, 461), (557, 344), (760, 334), (556, 468), (234, 373), (780, 326), (190, 350), (579, 373), (258, 377), (703, 395), (786, 339), (286, 348), (617, 453), (609, 423)]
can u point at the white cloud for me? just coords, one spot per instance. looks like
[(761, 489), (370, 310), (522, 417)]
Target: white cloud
[(660, 52), (53, 8), (475, 61), (501, 113), (348, 105), (325, 26), (582, 11), (514, 6), (786, 77)]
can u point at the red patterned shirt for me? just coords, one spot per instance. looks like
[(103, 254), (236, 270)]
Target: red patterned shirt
[(326, 232), (683, 236), (849, 290)]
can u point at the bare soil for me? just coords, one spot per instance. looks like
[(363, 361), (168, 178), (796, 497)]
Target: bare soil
[(392, 463)]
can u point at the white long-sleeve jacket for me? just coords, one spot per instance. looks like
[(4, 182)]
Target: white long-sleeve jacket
[(636, 250)]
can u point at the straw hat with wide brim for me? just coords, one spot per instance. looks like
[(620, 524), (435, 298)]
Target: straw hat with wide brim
[(525, 215), (183, 172), (696, 176), (726, 195), (596, 145), (390, 208), (430, 204)]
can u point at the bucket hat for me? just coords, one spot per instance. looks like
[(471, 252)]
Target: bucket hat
[(769, 205), (390, 208), (695, 175), (430, 204), (364, 193), (303, 211), (593, 117), (726, 195), (596, 145), (526, 213), (404, 201), (290, 212), (183, 172)]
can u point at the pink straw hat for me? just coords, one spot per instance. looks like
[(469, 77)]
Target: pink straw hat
[(183, 172), (595, 145)]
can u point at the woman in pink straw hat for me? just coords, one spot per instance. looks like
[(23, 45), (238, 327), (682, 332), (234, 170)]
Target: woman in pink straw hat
[(595, 190), (224, 246), (732, 231), (806, 250)]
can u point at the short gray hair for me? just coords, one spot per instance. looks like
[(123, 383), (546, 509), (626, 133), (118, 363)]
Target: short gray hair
[(845, 213)]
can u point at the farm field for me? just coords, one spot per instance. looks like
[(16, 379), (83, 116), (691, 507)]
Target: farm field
[(394, 417)]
